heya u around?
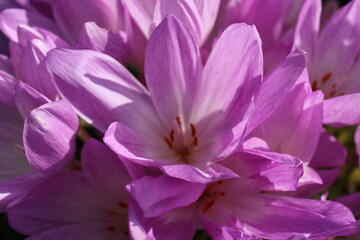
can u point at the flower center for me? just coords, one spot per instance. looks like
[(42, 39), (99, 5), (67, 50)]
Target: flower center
[(327, 85), (182, 139), (116, 219), (211, 194)]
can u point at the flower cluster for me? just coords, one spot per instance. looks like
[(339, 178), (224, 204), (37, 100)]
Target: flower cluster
[(163, 119)]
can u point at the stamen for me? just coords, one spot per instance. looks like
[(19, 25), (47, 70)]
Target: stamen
[(326, 77), (122, 205), (222, 194), (208, 205), (178, 122), (195, 141), (172, 136), (193, 130), (169, 143), (314, 85)]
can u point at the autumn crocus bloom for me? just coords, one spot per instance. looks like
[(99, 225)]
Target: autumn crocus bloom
[(32, 150), (188, 116), (91, 204), (171, 208)]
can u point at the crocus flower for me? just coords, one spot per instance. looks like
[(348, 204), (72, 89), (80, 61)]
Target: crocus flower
[(245, 206), (32, 150), (300, 134), (334, 59), (91, 204), (187, 118)]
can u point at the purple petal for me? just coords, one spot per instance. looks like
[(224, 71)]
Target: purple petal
[(307, 26), (106, 14), (296, 122), (178, 224), (49, 136), (284, 77), (7, 86), (172, 70), (34, 68), (236, 61), (146, 149), (13, 190), (352, 201), (142, 12), (158, 195), (329, 153), (89, 231), (73, 197), (93, 37), (13, 161), (266, 171), (103, 168), (214, 172), (337, 49), (220, 232), (27, 99), (328, 177), (281, 217), (104, 83), (342, 111), (186, 11), (10, 19)]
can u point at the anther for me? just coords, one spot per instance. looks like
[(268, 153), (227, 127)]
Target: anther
[(222, 194), (208, 205), (314, 85), (193, 130), (178, 122), (122, 205), (195, 141), (326, 77), (172, 136), (169, 143)]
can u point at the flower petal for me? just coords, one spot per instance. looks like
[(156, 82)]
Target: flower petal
[(172, 70), (158, 195), (88, 231), (329, 152), (73, 197), (106, 14), (342, 111), (27, 99), (307, 26), (10, 19), (214, 172), (266, 171), (235, 61), (337, 47), (284, 77), (49, 136), (142, 12), (93, 37), (302, 125), (103, 168), (13, 190), (102, 82)]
